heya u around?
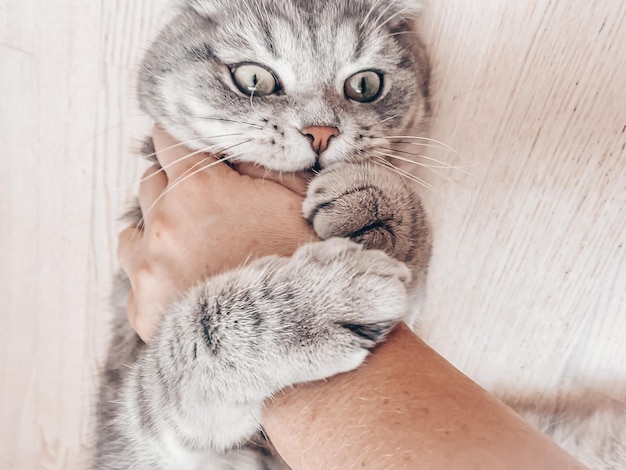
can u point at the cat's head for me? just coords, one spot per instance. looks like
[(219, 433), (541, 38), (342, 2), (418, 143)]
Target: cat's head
[(288, 84)]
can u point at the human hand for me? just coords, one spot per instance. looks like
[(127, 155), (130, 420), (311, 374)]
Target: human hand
[(200, 222)]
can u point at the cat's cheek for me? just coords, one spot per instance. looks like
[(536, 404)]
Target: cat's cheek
[(290, 157)]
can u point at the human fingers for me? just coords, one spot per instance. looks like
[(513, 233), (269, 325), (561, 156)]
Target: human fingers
[(153, 183), (145, 321), (149, 294), (296, 182), (129, 249), (180, 162), (143, 315), (131, 310)]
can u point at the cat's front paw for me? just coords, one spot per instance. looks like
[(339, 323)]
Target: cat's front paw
[(362, 202), (373, 206), (352, 299), (365, 290)]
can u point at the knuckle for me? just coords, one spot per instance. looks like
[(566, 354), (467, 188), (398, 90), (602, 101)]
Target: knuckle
[(126, 247), (160, 233), (158, 221)]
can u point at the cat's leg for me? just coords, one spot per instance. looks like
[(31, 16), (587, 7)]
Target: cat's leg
[(372, 205), (244, 335)]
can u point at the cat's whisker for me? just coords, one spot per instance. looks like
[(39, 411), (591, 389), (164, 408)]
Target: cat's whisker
[(181, 144), (99, 134), (194, 170), (412, 177), (380, 161), (440, 164), (421, 141), (163, 168), (184, 177), (369, 13), (399, 33), (389, 118), (416, 163), (380, 17), (206, 118), (189, 155), (130, 118), (236, 145), (190, 172), (427, 139), (420, 144), (398, 13), (431, 168), (144, 214), (404, 174), (252, 104)]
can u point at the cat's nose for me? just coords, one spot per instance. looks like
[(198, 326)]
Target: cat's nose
[(320, 136)]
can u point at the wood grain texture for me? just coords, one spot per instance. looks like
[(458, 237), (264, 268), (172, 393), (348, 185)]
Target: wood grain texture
[(66, 125), (528, 283)]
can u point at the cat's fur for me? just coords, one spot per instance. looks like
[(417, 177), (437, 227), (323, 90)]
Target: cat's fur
[(192, 398)]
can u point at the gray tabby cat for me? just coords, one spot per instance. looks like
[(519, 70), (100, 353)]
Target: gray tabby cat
[(291, 85)]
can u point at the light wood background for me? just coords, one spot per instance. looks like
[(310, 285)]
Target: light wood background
[(528, 283)]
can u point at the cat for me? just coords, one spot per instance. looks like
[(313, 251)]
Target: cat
[(290, 85)]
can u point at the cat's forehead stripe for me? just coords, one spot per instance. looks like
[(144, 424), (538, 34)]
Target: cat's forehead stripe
[(304, 55), (186, 79)]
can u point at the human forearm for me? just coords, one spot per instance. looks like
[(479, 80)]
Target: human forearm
[(406, 408)]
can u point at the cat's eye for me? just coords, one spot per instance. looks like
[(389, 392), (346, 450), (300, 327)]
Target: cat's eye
[(364, 86), (255, 80)]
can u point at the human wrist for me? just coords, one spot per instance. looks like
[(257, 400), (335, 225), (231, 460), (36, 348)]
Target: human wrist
[(405, 408)]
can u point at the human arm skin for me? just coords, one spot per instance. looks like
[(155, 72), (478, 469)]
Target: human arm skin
[(405, 408), (201, 218)]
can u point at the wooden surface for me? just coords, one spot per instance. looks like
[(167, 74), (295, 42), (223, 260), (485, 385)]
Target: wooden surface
[(528, 283)]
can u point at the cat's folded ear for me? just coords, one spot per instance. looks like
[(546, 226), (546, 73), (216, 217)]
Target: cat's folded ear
[(402, 9), (400, 14), (205, 7), (410, 8)]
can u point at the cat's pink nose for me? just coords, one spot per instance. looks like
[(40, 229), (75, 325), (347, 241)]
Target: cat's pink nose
[(320, 136)]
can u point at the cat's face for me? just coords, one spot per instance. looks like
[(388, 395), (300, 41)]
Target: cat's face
[(249, 77)]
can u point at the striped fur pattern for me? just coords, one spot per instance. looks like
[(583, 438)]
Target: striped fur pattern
[(192, 398)]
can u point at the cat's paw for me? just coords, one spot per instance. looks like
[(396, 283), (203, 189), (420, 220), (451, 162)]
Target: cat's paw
[(354, 298), (371, 205), (366, 290), (356, 201)]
